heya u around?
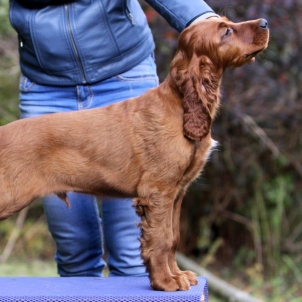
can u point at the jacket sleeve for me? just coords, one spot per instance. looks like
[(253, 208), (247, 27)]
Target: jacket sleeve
[(181, 13)]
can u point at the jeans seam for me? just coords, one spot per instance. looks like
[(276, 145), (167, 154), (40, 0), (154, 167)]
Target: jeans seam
[(138, 79), (99, 225), (81, 101), (90, 100), (78, 97)]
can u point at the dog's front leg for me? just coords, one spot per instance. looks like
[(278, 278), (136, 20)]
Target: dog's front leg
[(157, 240), (184, 278)]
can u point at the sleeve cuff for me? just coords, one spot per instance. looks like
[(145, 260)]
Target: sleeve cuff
[(204, 16)]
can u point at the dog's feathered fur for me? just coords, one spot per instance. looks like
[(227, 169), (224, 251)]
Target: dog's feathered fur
[(149, 148)]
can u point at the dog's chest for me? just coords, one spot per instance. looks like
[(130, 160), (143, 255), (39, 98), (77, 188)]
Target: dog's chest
[(200, 154)]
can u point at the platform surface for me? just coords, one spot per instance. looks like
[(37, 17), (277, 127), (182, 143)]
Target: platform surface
[(134, 289)]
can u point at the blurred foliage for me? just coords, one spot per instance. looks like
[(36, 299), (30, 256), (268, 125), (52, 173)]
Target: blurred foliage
[(243, 217), (30, 267), (9, 68), (34, 239), (5, 27)]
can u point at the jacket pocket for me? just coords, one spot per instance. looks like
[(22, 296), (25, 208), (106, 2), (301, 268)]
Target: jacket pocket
[(25, 84)]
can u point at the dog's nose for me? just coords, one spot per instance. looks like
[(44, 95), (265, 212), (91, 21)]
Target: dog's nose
[(263, 24)]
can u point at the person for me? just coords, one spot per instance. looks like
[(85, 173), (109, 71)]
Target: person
[(83, 54)]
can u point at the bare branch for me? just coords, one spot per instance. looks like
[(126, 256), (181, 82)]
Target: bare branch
[(216, 284), (14, 235)]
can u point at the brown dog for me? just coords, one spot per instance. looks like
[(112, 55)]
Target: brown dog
[(149, 148)]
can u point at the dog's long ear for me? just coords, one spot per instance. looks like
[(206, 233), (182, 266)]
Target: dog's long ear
[(191, 77)]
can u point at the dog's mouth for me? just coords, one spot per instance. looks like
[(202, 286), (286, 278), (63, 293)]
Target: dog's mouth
[(250, 57), (253, 54)]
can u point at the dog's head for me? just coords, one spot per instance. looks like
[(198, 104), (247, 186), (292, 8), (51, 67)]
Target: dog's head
[(205, 49), (224, 43)]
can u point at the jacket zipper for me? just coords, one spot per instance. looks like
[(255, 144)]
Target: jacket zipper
[(130, 16), (84, 81), (20, 42)]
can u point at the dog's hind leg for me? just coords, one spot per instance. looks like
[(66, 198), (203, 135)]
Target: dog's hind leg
[(9, 205), (17, 191)]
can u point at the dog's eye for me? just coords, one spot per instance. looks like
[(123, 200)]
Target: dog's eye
[(228, 32)]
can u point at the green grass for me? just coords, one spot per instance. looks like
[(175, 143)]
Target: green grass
[(30, 268)]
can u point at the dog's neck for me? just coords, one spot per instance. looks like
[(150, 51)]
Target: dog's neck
[(196, 90)]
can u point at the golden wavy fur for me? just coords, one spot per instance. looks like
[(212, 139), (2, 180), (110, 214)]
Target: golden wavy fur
[(149, 148)]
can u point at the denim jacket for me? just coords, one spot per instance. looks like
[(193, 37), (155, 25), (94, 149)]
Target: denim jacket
[(76, 42)]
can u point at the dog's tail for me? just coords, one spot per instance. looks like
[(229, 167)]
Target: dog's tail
[(63, 196)]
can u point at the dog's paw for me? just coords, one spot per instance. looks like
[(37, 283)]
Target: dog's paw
[(191, 277), (168, 284), (182, 281)]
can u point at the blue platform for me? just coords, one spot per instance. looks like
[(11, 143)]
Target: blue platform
[(134, 289)]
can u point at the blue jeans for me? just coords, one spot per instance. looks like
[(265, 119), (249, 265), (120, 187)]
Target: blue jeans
[(79, 231)]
